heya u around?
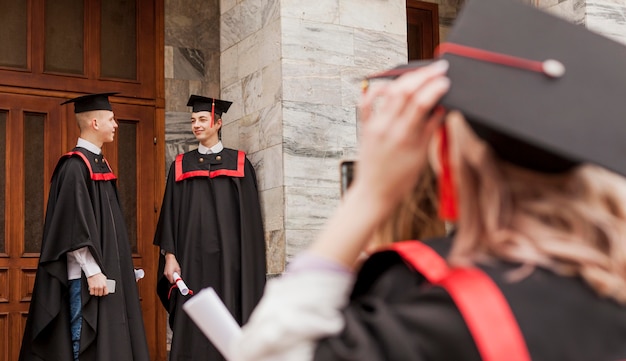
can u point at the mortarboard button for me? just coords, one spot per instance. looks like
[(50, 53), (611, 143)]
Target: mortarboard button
[(201, 160), (219, 157)]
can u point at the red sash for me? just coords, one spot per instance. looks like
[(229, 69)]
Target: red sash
[(483, 307)]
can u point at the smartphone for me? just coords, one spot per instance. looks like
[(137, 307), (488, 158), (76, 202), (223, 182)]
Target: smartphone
[(347, 174), (111, 286)]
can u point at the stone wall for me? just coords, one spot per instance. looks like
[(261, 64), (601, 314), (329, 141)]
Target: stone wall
[(192, 56)]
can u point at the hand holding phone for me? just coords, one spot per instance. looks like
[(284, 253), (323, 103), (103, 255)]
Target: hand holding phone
[(347, 174), (111, 286)]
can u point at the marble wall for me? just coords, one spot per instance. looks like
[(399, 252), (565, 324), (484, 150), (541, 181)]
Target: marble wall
[(295, 69), (607, 17), (192, 55)]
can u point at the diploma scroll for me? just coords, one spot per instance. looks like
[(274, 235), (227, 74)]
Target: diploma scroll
[(212, 317), (182, 287), (139, 274)]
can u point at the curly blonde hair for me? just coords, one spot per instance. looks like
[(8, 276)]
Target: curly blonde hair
[(573, 223)]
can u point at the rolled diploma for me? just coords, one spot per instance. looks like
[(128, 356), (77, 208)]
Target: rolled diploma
[(210, 314), (182, 287), (139, 274)]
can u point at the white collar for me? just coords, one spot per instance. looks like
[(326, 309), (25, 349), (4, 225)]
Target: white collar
[(82, 143), (214, 149)]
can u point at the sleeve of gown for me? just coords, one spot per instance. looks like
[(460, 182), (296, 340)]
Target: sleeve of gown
[(296, 310), (86, 261), (398, 319)]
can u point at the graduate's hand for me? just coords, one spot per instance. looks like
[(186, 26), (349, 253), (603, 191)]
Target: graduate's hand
[(171, 266), (98, 285), (397, 124)]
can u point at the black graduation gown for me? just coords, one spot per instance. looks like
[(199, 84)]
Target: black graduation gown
[(84, 211), (211, 221), (393, 315)]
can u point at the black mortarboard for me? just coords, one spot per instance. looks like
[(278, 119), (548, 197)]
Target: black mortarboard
[(547, 116), (90, 102), (204, 104)]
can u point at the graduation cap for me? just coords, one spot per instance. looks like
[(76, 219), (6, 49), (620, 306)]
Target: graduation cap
[(90, 102), (545, 93), (205, 104)]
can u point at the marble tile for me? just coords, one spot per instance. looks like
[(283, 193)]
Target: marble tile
[(271, 79), (570, 10), (318, 131), (378, 50), (270, 12), (275, 251), (607, 17), (233, 93), (252, 86), (311, 82), (351, 90), (272, 207), (317, 42), (196, 87), (176, 95), (178, 136), (207, 30), (259, 50), (296, 241), (229, 66), (188, 64), (303, 171), (212, 70), (251, 16), (268, 164), (226, 5), (168, 58), (230, 27), (178, 25), (230, 135), (322, 11), (308, 208), (388, 16), (247, 12), (261, 129), (190, 23)]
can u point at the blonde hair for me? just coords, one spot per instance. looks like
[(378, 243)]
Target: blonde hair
[(415, 217), (573, 223)]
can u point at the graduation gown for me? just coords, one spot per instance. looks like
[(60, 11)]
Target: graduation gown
[(211, 221), (394, 315), (84, 211)]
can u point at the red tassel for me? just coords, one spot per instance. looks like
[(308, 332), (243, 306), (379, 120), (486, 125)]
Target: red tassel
[(212, 112), (447, 193)]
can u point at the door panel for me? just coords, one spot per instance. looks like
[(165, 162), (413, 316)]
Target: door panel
[(422, 29), (38, 131), (33, 130)]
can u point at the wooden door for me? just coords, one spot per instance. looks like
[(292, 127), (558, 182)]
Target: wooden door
[(422, 29), (32, 131), (51, 51)]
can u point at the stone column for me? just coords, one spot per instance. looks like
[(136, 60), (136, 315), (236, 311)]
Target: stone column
[(293, 69)]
